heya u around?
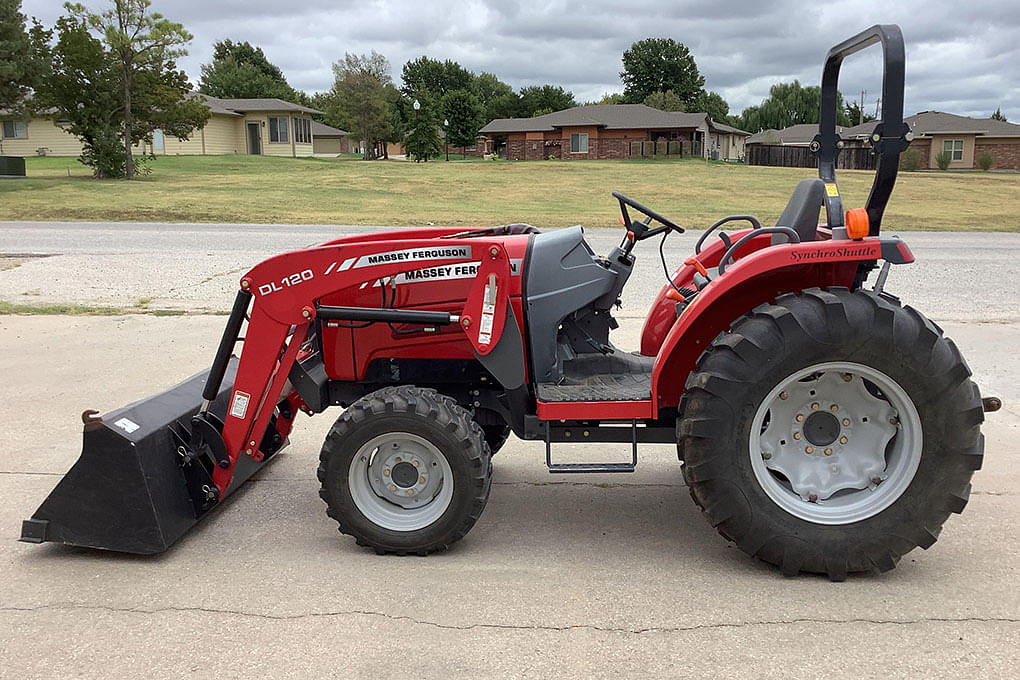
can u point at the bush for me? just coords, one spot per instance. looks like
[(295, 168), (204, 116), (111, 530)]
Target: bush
[(942, 159), (985, 160), (910, 161)]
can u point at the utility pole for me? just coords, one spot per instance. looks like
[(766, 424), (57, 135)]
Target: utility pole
[(860, 109)]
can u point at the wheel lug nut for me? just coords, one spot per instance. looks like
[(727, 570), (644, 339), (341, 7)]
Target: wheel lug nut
[(392, 487), (800, 418), (834, 408), (421, 480), (828, 452), (765, 455), (386, 473), (894, 421), (397, 459), (847, 377), (809, 449), (876, 480), (846, 421), (784, 396), (414, 463), (813, 498), (410, 492), (814, 406), (843, 440), (796, 435)]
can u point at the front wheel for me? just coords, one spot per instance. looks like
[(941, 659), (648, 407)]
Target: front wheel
[(830, 432), (405, 470)]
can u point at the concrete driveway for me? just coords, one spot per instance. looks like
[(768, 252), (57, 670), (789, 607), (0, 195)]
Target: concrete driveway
[(592, 576)]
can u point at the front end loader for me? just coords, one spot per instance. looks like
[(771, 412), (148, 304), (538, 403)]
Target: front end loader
[(822, 426)]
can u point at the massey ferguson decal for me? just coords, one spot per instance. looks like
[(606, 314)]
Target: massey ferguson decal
[(409, 255), (465, 270), (864, 251)]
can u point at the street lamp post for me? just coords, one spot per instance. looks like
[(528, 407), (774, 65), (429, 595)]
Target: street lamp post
[(417, 121), (446, 138)]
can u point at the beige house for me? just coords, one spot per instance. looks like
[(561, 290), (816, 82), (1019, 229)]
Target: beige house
[(270, 127)]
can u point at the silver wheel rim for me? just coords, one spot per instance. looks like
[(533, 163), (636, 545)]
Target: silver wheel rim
[(835, 443), (385, 490)]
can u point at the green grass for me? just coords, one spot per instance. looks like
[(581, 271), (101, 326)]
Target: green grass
[(10, 308), (471, 193)]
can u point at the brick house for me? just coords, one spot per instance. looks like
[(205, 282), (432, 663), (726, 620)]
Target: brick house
[(600, 131), (965, 139)]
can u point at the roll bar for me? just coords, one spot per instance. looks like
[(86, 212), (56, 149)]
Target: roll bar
[(891, 135)]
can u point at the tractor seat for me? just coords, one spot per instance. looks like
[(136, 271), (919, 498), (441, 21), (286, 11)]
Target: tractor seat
[(800, 214)]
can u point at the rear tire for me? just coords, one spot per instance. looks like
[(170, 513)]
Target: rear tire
[(830, 432), (405, 470)]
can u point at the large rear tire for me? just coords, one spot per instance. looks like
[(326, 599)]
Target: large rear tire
[(830, 432), (405, 470)]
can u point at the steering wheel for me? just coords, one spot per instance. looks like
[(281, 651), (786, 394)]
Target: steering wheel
[(640, 229)]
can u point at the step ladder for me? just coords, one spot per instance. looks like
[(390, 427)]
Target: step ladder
[(562, 468)]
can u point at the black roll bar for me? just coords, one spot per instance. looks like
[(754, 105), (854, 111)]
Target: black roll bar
[(890, 137)]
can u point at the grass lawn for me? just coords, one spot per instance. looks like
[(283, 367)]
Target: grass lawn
[(549, 194)]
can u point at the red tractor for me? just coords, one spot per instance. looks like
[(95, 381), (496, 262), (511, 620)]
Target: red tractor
[(822, 426)]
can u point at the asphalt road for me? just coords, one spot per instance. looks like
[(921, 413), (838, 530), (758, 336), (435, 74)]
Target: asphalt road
[(600, 576)]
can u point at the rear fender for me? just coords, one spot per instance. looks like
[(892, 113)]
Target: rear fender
[(756, 278)]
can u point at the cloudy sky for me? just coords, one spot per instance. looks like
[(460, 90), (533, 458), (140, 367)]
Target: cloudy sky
[(962, 56)]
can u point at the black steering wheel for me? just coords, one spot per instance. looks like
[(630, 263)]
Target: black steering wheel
[(640, 229)]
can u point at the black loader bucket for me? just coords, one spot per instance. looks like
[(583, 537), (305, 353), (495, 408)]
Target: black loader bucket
[(137, 486)]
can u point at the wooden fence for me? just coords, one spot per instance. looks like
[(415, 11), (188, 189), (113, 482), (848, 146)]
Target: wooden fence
[(861, 158), (663, 149)]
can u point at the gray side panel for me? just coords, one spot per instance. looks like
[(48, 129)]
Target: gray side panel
[(562, 278), (506, 360)]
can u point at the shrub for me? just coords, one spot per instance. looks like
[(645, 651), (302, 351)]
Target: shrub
[(911, 160), (942, 159), (984, 161)]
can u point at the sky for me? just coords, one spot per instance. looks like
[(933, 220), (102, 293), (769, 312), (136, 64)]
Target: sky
[(963, 57)]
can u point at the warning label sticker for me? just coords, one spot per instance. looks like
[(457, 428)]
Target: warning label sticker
[(832, 190), (239, 404), (127, 425)]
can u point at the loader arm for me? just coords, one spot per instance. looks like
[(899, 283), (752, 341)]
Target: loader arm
[(284, 293)]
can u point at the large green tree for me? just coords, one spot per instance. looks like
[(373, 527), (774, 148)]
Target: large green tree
[(241, 70), (658, 65), (789, 104), (438, 77), (541, 99), (714, 105), (24, 58), (360, 86), (145, 46), (463, 113), (497, 98), (998, 115), (664, 101)]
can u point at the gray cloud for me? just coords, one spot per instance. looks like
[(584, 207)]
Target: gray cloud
[(961, 57)]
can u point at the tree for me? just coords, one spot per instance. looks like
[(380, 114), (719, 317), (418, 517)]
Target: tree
[(854, 114), (609, 98), (498, 99), (463, 113), (140, 41), (998, 115), (422, 138), (538, 100), (658, 65), (360, 88), (241, 70), (664, 101), (714, 105), (24, 57), (789, 104), (438, 77)]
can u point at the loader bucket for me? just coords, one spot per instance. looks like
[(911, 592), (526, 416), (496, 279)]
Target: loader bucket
[(130, 491)]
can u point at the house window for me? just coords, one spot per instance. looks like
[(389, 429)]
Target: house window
[(15, 129), (954, 147), (302, 131), (579, 143), (278, 130)]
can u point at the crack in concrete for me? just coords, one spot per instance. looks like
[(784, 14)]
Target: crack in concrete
[(506, 626)]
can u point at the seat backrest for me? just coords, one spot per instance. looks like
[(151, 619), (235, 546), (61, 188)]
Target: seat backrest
[(801, 213)]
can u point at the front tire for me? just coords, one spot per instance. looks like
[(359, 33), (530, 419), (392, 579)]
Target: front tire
[(830, 432), (405, 470)]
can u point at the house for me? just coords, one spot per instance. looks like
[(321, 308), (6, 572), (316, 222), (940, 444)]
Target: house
[(964, 139), (269, 127), (328, 140), (598, 131)]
